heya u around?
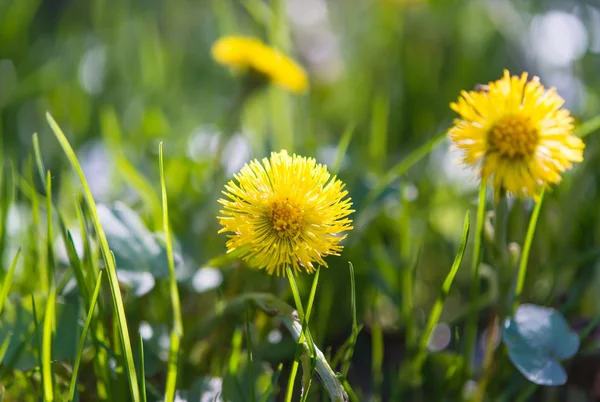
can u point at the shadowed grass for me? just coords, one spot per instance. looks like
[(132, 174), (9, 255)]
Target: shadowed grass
[(86, 326)]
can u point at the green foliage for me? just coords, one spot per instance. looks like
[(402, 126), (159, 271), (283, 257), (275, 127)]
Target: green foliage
[(537, 338), (108, 241)]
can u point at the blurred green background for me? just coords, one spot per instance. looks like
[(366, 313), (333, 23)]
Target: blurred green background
[(122, 76)]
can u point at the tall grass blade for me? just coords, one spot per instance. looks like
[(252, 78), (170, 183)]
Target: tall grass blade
[(436, 311), (36, 332), (111, 131), (142, 370), (7, 282), (526, 249), (111, 271), (38, 159), (174, 292), (90, 265), (7, 192), (4, 345), (341, 149), (50, 233), (350, 348), (47, 374), (86, 326), (588, 127), (236, 351), (471, 327), (402, 167), (37, 267), (272, 384)]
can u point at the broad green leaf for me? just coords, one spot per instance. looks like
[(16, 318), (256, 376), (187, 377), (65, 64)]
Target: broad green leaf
[(139, 255), (537, 337)]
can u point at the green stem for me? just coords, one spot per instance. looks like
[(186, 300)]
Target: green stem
[(526, 249), (250, 359), (292, 379), (503, 268), (471, 330), (502, 264)]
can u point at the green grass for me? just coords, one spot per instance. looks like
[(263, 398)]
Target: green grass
[(141, 117), (80, 347), (121, 324)]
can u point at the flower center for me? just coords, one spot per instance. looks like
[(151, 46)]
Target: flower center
[(514, 136), (287, 217)]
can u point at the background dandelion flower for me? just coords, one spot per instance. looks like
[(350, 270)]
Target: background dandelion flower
[(246, 53), (285, 211), (516, 132)]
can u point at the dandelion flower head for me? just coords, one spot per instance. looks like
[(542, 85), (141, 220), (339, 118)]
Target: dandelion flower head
[(285, 211), (517, 133), (247, 53)]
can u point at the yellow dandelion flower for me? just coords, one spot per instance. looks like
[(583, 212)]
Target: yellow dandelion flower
[(285, 211), (245, 53), (517, 132)]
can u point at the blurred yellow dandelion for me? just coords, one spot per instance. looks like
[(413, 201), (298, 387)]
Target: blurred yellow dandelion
[(285, 211), (517, 132), (245, 53)]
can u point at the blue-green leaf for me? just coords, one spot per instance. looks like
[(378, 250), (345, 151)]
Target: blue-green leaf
[(139, 254), (537, 338)]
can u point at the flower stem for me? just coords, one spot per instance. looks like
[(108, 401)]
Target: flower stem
[(294, 370), (526, 249), (502, 264), (471, 330)]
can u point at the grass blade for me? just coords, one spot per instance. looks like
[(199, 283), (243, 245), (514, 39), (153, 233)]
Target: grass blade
[(272, 384), (305, 335), (38, 263), (111, 132), (86, 326), (47, 374), (177, 332), (4, 346), (36, 332), (236, 350), (7, 192), (142, 370), (379, 130), (350, 349), (471, 328), (90, 265), (7, 282), (436, 311), (527, 248), (111, 270), (50, 234), (38, 159), (342, 148), (588, 127), (401, 168)]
